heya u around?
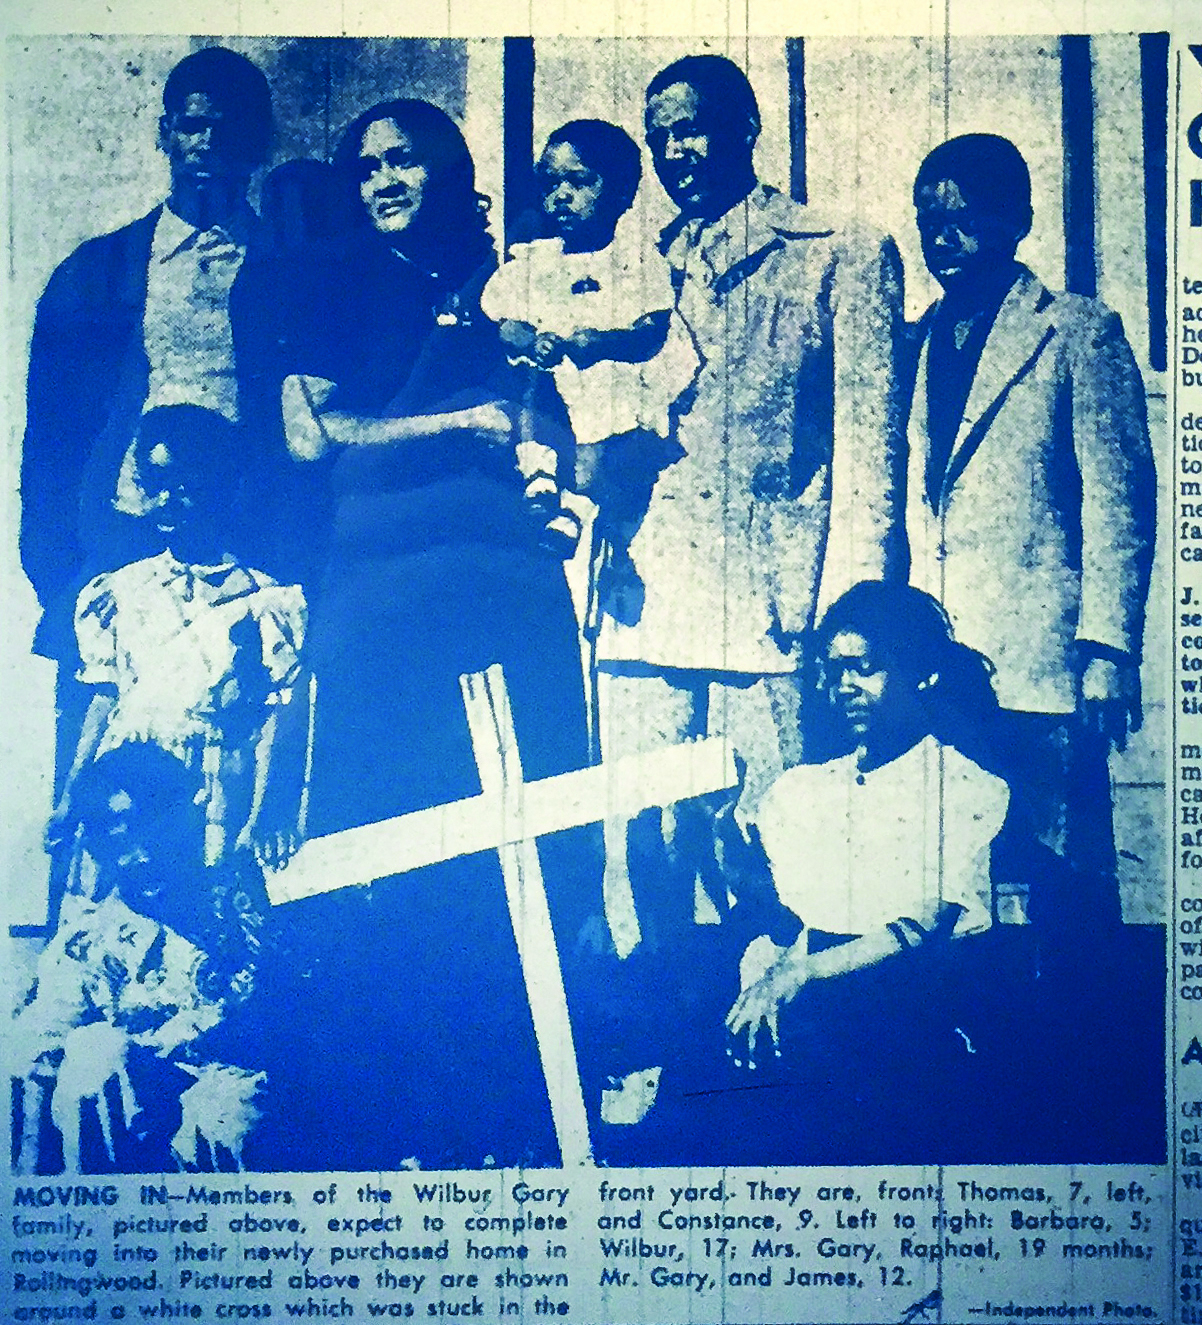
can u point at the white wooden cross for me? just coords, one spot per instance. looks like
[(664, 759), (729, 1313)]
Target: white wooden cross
[(509, 816)]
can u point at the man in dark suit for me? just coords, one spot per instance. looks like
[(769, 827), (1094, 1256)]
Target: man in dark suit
[(113, 337), (129, 321), (1031, 512)]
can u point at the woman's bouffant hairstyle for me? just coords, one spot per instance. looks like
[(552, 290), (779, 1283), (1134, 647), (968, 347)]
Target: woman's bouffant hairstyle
[(910, 634), (449, 235)]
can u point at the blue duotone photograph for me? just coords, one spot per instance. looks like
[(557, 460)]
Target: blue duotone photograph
[(586, 601)]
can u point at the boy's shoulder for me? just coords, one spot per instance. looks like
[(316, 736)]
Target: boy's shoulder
[(237, 582)]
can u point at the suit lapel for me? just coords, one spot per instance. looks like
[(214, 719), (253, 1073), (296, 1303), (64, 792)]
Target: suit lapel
[(918, 434), (1020, 333), (735, 247), (133, 260)]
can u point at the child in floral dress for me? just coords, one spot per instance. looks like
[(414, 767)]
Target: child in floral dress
[(191, 649), (120, 1046)]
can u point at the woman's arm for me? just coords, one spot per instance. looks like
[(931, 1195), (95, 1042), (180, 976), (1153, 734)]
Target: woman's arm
[(758, 1008), (311, 429), (879, 945)]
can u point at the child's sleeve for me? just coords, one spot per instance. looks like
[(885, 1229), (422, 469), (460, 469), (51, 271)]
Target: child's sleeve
[(96, 613), (507, 294), (59, 1002)]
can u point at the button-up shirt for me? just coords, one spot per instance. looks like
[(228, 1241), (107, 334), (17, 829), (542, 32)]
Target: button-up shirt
[(186, 329), (187, 322)]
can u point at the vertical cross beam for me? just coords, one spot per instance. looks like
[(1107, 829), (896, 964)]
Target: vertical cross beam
[(494, 743)]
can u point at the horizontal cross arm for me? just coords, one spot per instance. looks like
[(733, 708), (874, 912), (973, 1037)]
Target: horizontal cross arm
[(620, 789)]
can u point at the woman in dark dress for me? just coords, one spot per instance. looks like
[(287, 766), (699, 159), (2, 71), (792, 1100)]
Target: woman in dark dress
[(409, 1032)]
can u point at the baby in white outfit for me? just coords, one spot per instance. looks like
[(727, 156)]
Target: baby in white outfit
[(594, 305)]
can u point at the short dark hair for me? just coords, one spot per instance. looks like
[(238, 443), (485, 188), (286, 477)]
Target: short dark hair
[(237, 84), (608, 150), (205, 449), (166, 817), (990, 172), (203, 443), (720, 84), (160, 785)]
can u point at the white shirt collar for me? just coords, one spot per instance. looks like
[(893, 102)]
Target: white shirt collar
[(172, 233)]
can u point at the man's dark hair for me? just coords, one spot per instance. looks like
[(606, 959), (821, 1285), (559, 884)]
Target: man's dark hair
[(235, 84), (990, 172), (721, 85), (608, 150)]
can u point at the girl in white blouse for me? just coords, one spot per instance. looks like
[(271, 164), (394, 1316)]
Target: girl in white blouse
[(884, 850)]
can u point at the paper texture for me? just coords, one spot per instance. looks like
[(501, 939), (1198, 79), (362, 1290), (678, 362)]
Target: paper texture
[(464, 856)]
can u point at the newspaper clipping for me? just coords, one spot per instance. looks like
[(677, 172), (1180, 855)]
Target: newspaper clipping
[(602, 662)]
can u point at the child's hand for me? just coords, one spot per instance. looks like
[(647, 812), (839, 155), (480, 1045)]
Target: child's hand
[(517, 337), (181, 1028), (60, 825), (536, 460), (549, 349), (581, 347), (272, 849)]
